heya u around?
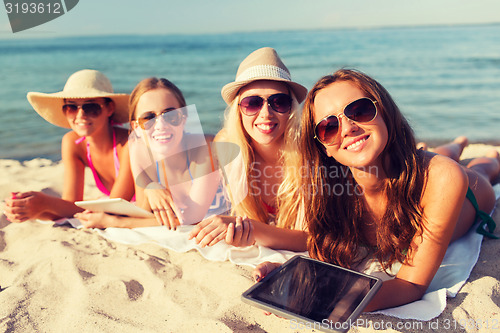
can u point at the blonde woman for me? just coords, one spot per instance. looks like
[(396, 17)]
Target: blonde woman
[(261, 119)]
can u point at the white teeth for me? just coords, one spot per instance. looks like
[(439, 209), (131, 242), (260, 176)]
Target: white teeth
[(163, 137), (266, 127), (355, 144)]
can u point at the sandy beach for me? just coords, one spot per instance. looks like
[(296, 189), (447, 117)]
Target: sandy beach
[(60, 279)]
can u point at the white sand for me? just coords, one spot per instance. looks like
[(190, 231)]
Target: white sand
[(58, 279)]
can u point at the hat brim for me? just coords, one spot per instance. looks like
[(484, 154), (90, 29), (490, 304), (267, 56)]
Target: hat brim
[(49, 106), (230, 90)]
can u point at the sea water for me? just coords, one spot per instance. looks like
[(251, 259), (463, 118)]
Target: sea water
[(446, 80)]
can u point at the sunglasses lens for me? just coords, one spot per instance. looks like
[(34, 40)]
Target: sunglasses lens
[(70, 108), (251, 105), (147, 120), (89, 109), (281, 103), (173, 117), (362, 110), (92, 109), (327, 129)]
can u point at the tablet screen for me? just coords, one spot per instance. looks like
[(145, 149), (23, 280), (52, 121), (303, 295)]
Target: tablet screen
[(314, 290)]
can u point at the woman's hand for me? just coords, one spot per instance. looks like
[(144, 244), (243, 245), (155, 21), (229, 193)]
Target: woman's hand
[(161, 203), (264, 269), (99, 220), (24, 206), (261, 271), (236, 231)]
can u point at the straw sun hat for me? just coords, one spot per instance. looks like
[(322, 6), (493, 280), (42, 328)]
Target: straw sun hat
[(262, 64), (83, 84)]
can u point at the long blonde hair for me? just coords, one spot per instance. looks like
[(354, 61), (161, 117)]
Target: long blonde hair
[(239, 175)]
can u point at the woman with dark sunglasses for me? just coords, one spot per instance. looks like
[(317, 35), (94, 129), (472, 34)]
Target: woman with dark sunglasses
[(261, 119), (175, 174), (376, 195), (87, 106)]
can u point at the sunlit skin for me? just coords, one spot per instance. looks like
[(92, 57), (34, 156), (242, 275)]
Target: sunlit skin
[(266, 130), (268, 126), (372, 135), (182, 198), (446, 185), (84, 125), (164, 136), (98, 135)]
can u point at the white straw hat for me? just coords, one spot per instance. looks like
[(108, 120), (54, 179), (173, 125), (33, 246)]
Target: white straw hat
[(262, 64), (85, 84)]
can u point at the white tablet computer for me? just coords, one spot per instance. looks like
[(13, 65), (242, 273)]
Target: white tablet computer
[(116, 206), (314, 294)]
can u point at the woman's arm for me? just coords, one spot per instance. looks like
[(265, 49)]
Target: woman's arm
[(279, 238), (23, 206), (74, 177), (124, 182), (201, 195), (103, 220), (74, 169), (213, 230), (442, 202)]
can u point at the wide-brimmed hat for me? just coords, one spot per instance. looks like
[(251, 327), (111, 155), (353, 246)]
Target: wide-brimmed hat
[(262, 64), (86, 84)]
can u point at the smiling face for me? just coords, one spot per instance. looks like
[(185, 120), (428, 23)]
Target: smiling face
[(86, 124), (356, 144), (267, 126), (163, 135)]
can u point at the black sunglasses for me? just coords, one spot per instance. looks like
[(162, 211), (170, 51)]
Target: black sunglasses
[(89, 109), (172, 116), (362, 110), (251, 105)]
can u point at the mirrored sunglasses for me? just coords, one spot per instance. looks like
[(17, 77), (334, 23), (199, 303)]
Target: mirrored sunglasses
[(171, 116), (89, 109), (362, 110), (251, 105)]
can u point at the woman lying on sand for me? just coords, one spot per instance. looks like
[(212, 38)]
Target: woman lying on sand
[(377, 194), (175, 174), (261, 119), (89, 107)]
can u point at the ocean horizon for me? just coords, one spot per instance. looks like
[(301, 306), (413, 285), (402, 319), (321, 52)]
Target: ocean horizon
[(445, 79)]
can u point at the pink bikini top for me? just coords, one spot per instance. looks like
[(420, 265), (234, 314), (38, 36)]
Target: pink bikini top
[(98, 181), (269, 209)]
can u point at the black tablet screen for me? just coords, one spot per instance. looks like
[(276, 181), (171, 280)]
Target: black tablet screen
[(314, 290)]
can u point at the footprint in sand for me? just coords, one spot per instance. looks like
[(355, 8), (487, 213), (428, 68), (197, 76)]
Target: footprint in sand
[(134, 289)]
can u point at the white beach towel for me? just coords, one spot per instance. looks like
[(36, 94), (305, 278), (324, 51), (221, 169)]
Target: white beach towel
[(178, 241), (455, 269)]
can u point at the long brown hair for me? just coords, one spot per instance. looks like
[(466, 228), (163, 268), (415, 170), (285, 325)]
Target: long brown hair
[(335, 220)]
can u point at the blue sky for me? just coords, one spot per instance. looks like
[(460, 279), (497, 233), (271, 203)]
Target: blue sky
[(92, 17)]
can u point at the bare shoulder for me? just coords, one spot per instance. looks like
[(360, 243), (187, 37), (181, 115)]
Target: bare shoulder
[(72, 151), (221, 136), (200, 156), (71, 136), (444, 174), (68, 143)]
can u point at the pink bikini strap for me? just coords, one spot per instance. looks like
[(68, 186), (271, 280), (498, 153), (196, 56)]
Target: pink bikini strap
[(98, 181)]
